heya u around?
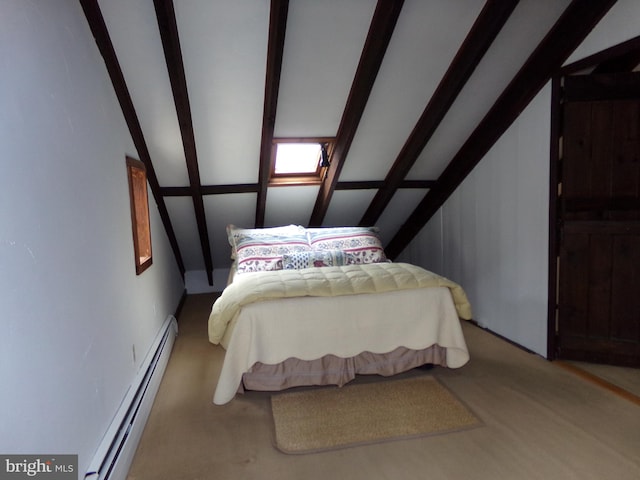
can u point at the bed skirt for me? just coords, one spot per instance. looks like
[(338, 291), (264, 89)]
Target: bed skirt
[(333, 370)]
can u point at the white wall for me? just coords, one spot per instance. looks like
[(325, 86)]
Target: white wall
[(196, 281), (491, 236), (73, 309), (622, 23)]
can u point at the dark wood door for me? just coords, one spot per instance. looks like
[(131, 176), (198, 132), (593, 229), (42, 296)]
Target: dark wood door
[(599, 256)]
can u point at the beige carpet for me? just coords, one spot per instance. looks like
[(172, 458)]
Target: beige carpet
[(539, 422), (328, 418)]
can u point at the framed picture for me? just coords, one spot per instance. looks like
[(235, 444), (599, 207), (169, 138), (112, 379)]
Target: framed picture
[(137, 174)]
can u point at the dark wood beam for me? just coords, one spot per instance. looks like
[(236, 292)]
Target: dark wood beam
[(279, 11), (168, 27), (623, 49), (103, 41), (378, 38), (211, 189), (623, 64), (569, 31), (255, 187), (377, 184), (482, 34)]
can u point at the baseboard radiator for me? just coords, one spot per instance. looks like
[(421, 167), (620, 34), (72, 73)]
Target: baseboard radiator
[(115, 453)]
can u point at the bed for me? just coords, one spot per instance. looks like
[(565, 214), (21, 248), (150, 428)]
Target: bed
[(320, 306)]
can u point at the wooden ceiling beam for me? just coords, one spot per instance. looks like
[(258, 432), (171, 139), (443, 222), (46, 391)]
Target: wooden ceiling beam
[(592, 61), (279, 11), (99, 30), (624, 63), (578, 19), (378, 38), (211, 189), (377, 184), (255, 187), (482, 34), (168, 27)]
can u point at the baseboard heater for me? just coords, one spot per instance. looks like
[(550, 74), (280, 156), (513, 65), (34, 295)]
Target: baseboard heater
[(115, 453)]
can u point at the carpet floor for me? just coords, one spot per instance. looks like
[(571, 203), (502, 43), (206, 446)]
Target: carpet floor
[(540, 421)]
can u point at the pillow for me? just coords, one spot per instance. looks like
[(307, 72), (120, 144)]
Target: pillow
[(362, 244), (314, 258), (262, 249), (234, 232)]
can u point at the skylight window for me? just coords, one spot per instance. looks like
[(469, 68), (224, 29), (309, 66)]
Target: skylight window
[(298, 158), (299, 161)]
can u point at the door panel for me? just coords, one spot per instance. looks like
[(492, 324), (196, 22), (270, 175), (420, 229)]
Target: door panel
[(599, 299), (598, 307)]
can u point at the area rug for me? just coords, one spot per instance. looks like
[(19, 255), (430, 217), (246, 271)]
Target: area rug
[(328, 418)]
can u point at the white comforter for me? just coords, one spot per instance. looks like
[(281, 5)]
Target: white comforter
[(380, 308), (325, 282)]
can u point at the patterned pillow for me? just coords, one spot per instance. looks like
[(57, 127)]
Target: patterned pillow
[(314, 258), (362, 244), (234, 232), (262, 249)]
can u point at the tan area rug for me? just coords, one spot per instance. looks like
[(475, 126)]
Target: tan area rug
[(328, 418)]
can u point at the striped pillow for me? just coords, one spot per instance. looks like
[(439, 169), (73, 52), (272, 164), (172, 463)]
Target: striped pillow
[(258, 250), (362, 244)]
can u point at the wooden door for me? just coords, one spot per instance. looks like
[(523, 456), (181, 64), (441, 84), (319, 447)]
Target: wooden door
[(599, 198)]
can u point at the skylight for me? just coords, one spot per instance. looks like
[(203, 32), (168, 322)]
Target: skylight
[(297, 158), (300, 161)]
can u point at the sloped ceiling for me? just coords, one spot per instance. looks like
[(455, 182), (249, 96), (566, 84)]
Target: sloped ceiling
[(414, 92)]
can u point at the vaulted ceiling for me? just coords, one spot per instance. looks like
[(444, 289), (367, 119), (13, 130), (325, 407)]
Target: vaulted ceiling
[(414, 92)]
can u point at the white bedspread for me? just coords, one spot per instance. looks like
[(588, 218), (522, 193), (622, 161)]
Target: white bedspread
[(270, 331), (325, 282)]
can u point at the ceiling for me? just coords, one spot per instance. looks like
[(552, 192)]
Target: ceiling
[(415, 92)]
